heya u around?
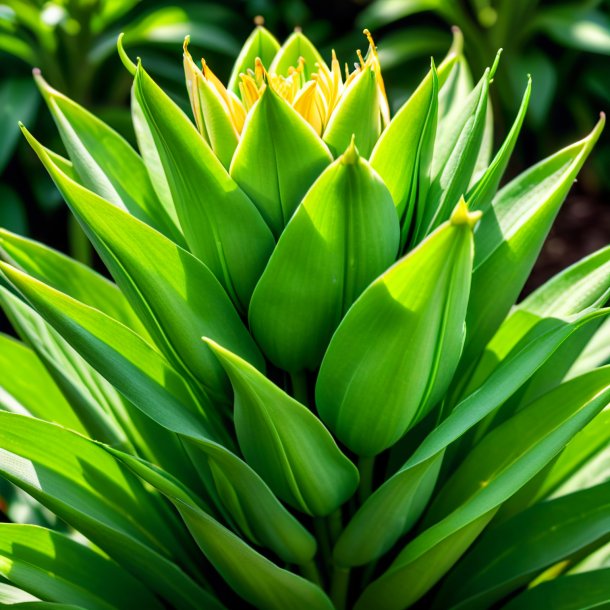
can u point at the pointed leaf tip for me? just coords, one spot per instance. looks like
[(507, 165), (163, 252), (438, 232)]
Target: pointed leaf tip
[(463, 216), (351, 154), (129, 65)]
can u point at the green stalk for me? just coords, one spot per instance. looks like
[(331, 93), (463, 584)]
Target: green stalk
[(299, 387), (311, 572), (340, 587), (366, 466)]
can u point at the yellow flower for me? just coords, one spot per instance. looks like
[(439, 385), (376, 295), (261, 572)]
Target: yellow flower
[(314, 98)]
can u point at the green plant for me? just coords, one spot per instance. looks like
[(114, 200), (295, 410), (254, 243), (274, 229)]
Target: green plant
[(366, 403)]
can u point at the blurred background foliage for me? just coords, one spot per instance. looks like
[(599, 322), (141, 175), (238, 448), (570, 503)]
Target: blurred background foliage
[(563, 45)]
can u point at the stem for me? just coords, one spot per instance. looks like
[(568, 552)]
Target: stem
[(366, 466), (80, 248), (311, 572), (335, 525), (299, 387), (339, 587), (323, 541)]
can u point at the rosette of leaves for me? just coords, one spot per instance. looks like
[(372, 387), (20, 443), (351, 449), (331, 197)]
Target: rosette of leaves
[(307, 385)]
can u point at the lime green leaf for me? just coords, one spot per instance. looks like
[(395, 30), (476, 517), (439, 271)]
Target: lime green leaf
[(278, 158), (94, 401), (456, 149), (248, 573), (42, 399), (504, 461), (342, 236), (530, 542), (482, 192), (510, 237), (397, 154), (212, 115), (286, 443), (156, 276), (262, 44), (396, 337), (297, 45), (358, 114), (146, 379), (397, 504), (56, 568), (69, 276), (90, 490), (221, 225), (574, 592), (106, 163)]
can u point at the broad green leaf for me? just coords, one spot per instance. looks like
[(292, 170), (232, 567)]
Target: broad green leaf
[(212, 114), (95, 494), (262, 44), (286, 443), (397, 155), (278, 158), (456, 149), (358, 114), (510, 236), (26, 386), (343, 235), (221, 225), (399, 502), (56, 568), (482, 192), (297, 45), (596, 353), (530, 542), (145, 378), (503, 462), (248, 573), (397, 337), (106, 163), (573, 592), (157, 277), (69, 276)]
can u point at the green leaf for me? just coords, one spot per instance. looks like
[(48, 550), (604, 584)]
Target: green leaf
[(69, 276), (530, 542), (262, 44), (157, 276), (106, 163), (357, 114), (396, 337), (503, 462), (297, 45), (456, 149), (482, 192), (286, 443), (400, 501), (18, 394), (343, 235), (510, 236), (145, 378), (277, 160), (56, 568), (397, 153), (221, 225), (575, 592), (90, 490), (249, 574)]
